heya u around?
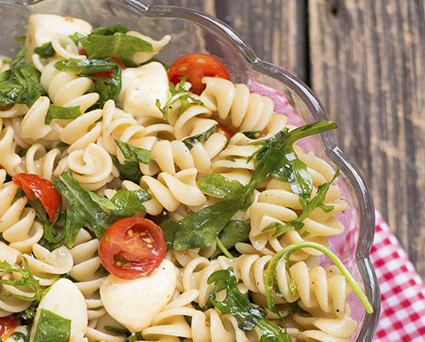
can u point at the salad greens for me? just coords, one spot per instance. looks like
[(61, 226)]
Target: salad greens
[(64, 113), (177, 94), (200, 138), (285, 253), (275, 158), (237, 304), (52, 328), (20, 83)]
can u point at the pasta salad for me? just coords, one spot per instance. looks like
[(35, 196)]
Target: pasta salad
[(147, 202)]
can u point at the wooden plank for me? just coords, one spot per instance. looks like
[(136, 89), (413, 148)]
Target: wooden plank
[(368, 68), (275, 29)]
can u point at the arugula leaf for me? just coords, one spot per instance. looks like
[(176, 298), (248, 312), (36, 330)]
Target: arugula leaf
[(46, 50), (102, 201), (52, 328), (134, 337), (232, 233), (307, 207), (169, 228), (21, 83), (27, 280), (107, 88), (110, 30), (216, 185), (202, 227), (81, 211), (121, 46), (127, 202), (177, 94), (133, 153), (251, 134), (128, 170), (18, 336), (271, 281), (4, 59), (20, 39), (200, 138), (58, 112), (237, 304)]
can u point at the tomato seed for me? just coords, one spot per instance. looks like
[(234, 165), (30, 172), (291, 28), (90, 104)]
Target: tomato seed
[(148, 240), (149, 245)]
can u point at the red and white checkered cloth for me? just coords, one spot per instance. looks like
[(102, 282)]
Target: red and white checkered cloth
[(402, 290)]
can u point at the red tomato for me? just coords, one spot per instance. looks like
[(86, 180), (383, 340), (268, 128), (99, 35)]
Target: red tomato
[(43, 189), (132, 247), (227, 132), (7, 327), (196, 66)]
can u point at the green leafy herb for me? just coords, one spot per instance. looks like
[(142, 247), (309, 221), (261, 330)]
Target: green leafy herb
[(110, 30), (275, 158), (18, 336), (5, 60), (65, 113), (128, 170), (177, 94), (81, 211), (121, 46), (284, 254), (133, 153), (128, 202), (27, 280), (102, 201), (308, 207), (232, 233), (200, 138), (237, 304), (107, 87), (52, 328), (251, 134), (46, 50), (169, 228), (21, 83)]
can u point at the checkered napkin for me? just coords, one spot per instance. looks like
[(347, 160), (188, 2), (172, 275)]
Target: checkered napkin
[(402, 290)]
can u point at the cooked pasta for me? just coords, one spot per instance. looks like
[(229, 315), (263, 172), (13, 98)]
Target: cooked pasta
[(106, 141)]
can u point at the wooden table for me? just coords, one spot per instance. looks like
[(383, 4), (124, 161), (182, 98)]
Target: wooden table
[(366, 62)]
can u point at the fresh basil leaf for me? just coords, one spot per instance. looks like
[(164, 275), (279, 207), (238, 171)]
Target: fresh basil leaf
[(237, 304), (169, 228), (65, 113), (232, 233), (200, 138), (52, 328), (127, 202), (27, 280), (102, 201), (110, 30), (81, 210), (128, 170), (46, 50), (177, 94), (21, 83), (216, 185), (120, 46), (85, 67), (133, 153), (76, 37)]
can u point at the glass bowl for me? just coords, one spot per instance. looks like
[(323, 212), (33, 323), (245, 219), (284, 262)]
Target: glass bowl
[(196, 32)]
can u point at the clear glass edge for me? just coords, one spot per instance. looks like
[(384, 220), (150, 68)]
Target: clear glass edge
[(367, 217)]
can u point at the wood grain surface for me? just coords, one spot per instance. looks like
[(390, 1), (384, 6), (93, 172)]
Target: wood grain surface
[(366, 61)]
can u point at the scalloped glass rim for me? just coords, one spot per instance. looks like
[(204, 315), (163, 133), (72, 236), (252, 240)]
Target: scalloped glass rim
[(252, 68)]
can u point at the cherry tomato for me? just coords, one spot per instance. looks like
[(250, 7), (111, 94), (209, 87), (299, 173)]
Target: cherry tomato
[(7, 327), (132, 247), (43, 189), (196, 66), (226, 131)]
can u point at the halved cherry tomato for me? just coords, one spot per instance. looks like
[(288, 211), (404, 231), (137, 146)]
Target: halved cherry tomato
[(43, 189), (132, 247), (196, 66), (7, 326), (226, 131)]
